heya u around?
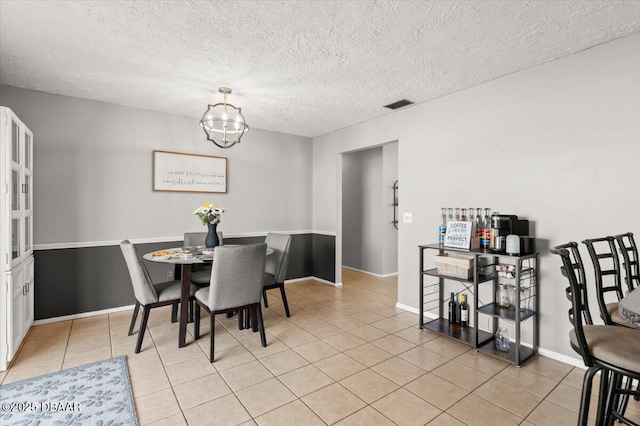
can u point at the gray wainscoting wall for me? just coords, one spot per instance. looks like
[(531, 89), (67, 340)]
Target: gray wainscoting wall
[(78, 280)]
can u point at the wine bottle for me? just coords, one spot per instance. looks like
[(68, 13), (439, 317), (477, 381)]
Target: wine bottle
[(464, 311), (453, 308)]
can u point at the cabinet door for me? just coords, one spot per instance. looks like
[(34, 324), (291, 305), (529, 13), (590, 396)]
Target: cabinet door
[(16, 175), (27, 191), (15, 311), (17, 246), (28, 297)]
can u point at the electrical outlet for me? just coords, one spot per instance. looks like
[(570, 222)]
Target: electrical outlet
[(407, 217), (170, 275)]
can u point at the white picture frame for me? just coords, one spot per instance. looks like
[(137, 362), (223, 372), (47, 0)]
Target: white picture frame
[(458, 234), (183, 172)]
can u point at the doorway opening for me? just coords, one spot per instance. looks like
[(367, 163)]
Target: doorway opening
[(369, 202)]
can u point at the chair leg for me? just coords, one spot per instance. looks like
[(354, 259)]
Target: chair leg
[(264, 297), (174, 312), (248, 319), (253, 316), (196, 322), (143, 327), (191, 302), (213, 335), (134, 317), (241, 319), (284, 300), (263, 338)]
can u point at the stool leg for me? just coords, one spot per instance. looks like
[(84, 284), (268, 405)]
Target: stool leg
[(603, 398), (587, 384)]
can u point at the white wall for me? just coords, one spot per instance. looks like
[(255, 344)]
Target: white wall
[(361, 213), (93, 173), (369, 239), (558, 143)]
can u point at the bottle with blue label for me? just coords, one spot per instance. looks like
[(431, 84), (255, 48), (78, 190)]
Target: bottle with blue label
[(442, 230)]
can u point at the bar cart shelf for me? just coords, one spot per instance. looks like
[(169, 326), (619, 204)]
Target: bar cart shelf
[(524, 281)]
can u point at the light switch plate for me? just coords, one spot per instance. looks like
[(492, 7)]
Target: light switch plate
[(407, 217)]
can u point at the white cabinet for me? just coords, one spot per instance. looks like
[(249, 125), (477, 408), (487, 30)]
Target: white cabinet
[(19, 307), (16, 184), (16, 233)]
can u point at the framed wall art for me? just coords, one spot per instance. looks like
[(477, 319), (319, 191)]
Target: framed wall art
[(182, 172)]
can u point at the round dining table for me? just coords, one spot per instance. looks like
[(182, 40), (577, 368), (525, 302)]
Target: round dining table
[(629, 307), (185, 258)]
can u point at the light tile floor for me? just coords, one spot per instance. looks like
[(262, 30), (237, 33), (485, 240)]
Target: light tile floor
[(346, 356)]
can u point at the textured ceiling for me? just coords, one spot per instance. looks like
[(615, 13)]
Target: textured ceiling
[(305, 68)]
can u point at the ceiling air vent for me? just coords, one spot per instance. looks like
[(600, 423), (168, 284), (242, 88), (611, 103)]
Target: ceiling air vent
[(399, 104)]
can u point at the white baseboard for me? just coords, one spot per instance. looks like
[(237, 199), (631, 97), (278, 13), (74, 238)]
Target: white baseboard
[(370, 273), (83, 315), (575, 362), (413, 310), (327, 282), (297, 280)]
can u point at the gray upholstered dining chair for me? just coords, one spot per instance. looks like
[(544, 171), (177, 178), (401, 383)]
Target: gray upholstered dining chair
[(236, 285), (200, 274), (276, 267), (147, 294)]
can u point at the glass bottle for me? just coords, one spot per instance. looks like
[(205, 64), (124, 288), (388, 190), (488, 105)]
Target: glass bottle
[(486, 233), (479, 223), (453, 308), (503, 298), (502, 340), (450, 216), (442, 229), (457, 216), (464, 215), (471, 218), (464, 310)]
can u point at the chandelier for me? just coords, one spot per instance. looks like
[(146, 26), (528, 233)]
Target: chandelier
[(224, 123)]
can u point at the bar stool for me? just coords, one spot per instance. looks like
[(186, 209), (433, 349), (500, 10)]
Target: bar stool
[(608, 349), (608, 278), (629, 252)]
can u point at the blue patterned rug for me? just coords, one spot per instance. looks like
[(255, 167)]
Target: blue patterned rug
[(93, 394)]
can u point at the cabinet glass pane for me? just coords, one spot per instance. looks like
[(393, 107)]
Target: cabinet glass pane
[(15, 191), (27, 234), (27, 151), (15, 142), (15, 238), (27, 192)]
